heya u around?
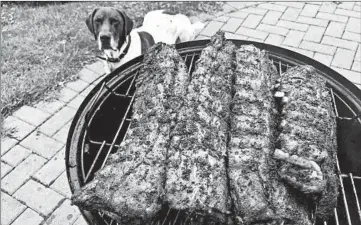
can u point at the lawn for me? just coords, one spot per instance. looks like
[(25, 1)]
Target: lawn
[(44, 45)]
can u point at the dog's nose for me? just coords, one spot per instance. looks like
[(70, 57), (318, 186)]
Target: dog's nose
[(105, 38)]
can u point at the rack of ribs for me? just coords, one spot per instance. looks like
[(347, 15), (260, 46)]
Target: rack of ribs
[(258, 196), (196, 173), (307, 143), (130, 186)]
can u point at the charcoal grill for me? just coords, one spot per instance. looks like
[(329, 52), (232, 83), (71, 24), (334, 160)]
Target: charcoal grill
[(103, 119)]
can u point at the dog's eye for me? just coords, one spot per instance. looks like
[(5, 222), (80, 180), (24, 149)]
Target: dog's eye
[(113, 21), (98, 20)]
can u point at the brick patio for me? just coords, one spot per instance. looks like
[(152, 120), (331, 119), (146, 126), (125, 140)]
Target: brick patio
[(34, 183)]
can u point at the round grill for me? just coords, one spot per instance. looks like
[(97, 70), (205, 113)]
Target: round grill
[(103, 118)]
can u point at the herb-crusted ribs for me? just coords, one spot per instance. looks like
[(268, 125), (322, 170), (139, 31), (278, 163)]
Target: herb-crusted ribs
[(130, 186), (308, 142), (196, 172)]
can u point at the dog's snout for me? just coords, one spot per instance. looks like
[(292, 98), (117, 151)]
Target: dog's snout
[(105, 38)]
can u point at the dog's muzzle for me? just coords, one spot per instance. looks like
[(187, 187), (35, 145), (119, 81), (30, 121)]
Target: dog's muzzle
[(105, 41)]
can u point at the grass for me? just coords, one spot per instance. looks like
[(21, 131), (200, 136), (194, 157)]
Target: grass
[(45, 45)]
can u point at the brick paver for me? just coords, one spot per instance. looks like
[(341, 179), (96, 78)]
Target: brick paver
[(31, 115), (16, 155), (66, 214), (42, 145), (41, 199), (18, 176), (10, 209), (52, 169), (28, 217), (34, 155)]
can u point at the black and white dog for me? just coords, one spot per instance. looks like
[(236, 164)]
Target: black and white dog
[(113, 30)]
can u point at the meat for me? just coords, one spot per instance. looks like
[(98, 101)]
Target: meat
[(307, 142), (196, 173), (130, 186), (258, 195)]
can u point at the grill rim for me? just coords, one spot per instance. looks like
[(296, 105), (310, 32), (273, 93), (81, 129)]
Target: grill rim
[(348, 90)]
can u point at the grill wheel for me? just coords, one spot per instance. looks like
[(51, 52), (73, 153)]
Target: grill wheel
[(103, 118)]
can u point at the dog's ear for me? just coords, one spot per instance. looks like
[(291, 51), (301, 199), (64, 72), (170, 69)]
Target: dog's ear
[(90, 22), (128, 23)]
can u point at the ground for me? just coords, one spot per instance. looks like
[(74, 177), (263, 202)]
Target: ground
[(33, 156)]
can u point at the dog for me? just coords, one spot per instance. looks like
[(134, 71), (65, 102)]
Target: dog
[(114, 33)]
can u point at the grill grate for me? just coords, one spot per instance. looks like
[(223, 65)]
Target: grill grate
[(98, 143)]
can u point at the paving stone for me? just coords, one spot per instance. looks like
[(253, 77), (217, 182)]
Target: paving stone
[(52, 169), (19, 129), (50, 106), (36, 200), (292, 25), (51, 126), (301, 51), (31, 115), (346, 5), (61, 185), (349, 13), (18, 176), (253, 10), (294, 38), (254, 39), (357, 8), (274, 39), (312, 21), (252, 33), (66, 95), (339, 42), (237, 5), (88, 75), (5, 169), (273, 7), (10, 209), (28, 217), (80, 221), (324, 59), (7, 143), (42, 145), (333, 17), (227, 8), (358, 53), (271, 17), (62, 134), (314, 3), (76, 102), (354, 77), (78, 85), (343, 58), (298, 5), (97, 67), (356, 66), (238, 14), (16, 155), (232, 24), (87, 90), (311, 46), (66, 214), (234, 36), (335, 29), (273, 29), (291, 14), (351, 36), (354, 25), (314, 34), (252, 21), (222, 19), (328, 7), (310, 10), (212, 28)]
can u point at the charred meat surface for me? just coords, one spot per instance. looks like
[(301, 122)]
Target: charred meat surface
[(196, 172), (308, 142), (130, 186)]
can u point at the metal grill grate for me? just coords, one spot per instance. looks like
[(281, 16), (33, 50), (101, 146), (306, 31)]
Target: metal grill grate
[(99, 140)]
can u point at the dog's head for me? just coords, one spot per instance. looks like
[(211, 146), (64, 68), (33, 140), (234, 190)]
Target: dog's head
[(109, 26)]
